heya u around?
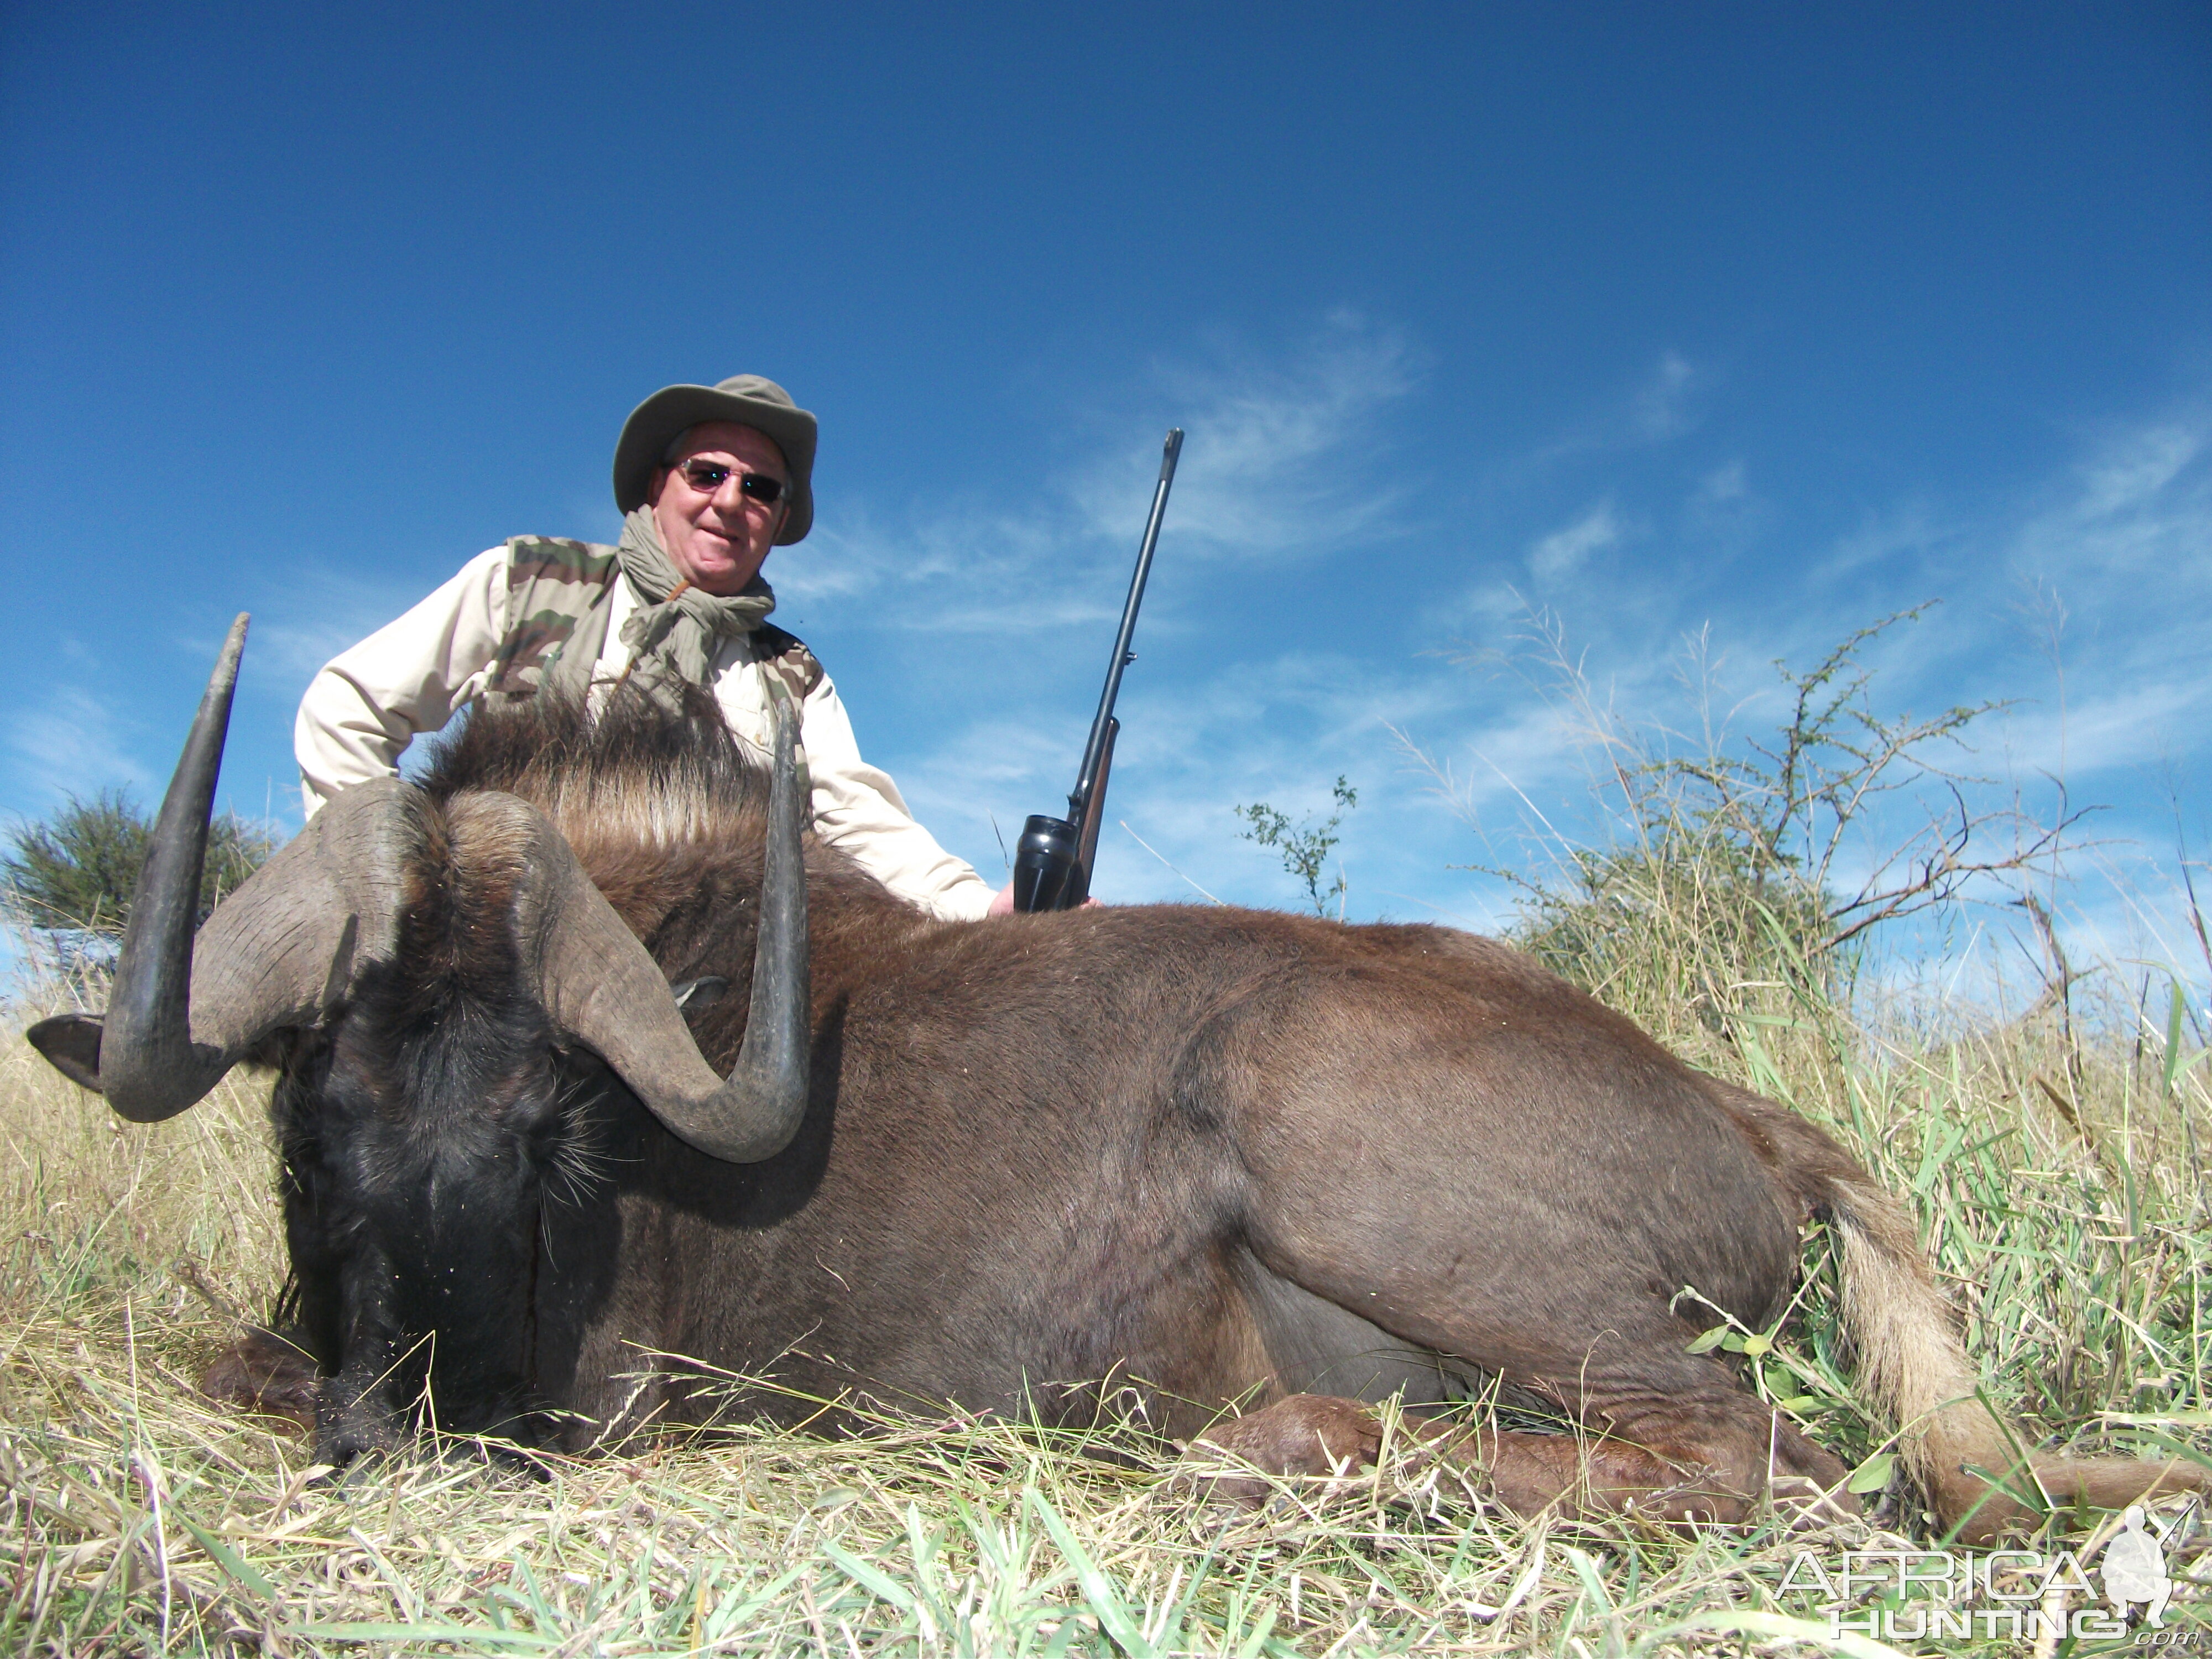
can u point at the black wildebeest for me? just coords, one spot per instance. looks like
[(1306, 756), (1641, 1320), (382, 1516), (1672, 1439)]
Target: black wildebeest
[(1222, 1155)]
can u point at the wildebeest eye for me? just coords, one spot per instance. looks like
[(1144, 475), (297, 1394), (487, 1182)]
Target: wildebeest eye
[(698, 993)]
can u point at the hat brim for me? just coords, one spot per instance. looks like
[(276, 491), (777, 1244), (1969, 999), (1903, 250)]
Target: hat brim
[(670, 412)]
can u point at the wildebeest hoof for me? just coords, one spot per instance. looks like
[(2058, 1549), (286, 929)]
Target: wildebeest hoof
[(1305, 1435), (263, 1374), (506, 1458), (1804, 1504)]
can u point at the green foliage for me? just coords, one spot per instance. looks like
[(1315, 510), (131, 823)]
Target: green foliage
[(1305, 849), (76, 872), (1718, 893), (1682, 918)]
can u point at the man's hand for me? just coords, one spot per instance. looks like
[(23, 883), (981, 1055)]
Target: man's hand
[(1002, 902)]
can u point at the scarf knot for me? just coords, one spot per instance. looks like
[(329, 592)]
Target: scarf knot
[(677, 628)]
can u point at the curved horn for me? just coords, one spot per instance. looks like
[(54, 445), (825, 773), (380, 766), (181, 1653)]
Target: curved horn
[(602, 987), (276, 952)]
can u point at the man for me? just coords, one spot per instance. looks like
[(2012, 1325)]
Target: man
[(709, 479)]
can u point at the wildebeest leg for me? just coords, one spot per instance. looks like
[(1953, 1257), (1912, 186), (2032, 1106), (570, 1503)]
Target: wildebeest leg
[(1665, 1431), (1692, 1462), (1680, 1461), (1562, 1275)]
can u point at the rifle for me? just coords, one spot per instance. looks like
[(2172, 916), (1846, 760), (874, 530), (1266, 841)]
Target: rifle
[(1053, 859)]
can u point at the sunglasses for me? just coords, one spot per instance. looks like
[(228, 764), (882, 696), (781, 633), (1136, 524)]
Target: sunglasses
[(708, 477)]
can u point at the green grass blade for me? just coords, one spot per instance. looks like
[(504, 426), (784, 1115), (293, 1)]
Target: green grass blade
[(1113, 1615)]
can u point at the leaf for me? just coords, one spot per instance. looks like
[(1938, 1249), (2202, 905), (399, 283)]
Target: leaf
[(230, 1561), (1755, 1345), (721, 1625), (874, 1580), (1264, 1627), (2173, 1036), (1873, 1474), (1708, 1341)]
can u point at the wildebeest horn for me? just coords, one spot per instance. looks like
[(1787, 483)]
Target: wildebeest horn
[(601, 988), (274, 953)]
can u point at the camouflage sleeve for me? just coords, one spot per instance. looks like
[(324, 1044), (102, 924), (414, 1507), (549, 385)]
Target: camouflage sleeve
[(369, 702)]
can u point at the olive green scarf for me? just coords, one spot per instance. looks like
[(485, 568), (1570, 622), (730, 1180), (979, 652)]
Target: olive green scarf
[(673, 635)]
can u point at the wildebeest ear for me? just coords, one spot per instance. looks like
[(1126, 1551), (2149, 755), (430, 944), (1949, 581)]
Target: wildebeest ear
[(70, 1043)]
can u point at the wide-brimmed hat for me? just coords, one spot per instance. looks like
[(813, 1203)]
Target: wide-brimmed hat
[(748, 400)]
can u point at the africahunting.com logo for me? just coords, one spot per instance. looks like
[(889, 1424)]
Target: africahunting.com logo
[(1917, 1595)]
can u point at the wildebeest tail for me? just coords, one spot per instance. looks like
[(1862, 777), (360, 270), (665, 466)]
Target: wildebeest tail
[(1975, 1470)]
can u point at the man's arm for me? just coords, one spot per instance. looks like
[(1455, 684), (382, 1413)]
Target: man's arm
[(369, 702), (858, 809)]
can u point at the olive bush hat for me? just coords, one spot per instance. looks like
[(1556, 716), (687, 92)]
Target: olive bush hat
[(748, 400)]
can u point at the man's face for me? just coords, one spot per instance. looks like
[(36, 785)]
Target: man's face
[(720, 540)]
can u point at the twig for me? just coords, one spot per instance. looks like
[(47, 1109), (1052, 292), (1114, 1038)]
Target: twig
[(1149, 848)]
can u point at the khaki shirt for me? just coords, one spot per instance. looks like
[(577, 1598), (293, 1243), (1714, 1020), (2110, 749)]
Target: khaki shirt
[(412, 676)]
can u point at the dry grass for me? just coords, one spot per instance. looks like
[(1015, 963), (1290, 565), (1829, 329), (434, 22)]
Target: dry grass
[(135, 1518)]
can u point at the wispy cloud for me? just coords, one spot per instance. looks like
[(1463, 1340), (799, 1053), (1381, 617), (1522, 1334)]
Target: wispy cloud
[(1277, 729), (1283, 462), (315, 615), (2131, 728), (1726, 483), (1658, 407), (2141, 504), (72, 743), (2136, 471), (1909, 528), (1563, 552), (1661, 407), (2125, 536), (1283, 458)]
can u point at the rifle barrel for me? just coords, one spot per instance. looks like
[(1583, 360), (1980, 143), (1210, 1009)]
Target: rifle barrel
[(1080, 800)]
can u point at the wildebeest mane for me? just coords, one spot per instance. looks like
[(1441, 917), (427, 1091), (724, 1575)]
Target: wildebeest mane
[(665, 810), (629, 770)]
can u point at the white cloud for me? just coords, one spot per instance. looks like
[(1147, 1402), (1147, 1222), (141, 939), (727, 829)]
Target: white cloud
[(71, 744), (1727, 482), (1659, 410), (2136, 471), (317, 613), (1278, 730), (1910, 527), (2141, 506), (1563, 552), (1282, 458), (2133, 727), (1283, 461)]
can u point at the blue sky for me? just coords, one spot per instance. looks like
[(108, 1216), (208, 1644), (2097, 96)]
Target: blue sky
[(1761, 322)]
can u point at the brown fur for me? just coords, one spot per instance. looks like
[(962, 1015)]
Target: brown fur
[(1219, 1154), (262, 1373)]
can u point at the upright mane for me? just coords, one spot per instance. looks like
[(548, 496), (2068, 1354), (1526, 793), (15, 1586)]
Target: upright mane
[(631, 771), (662, 809)]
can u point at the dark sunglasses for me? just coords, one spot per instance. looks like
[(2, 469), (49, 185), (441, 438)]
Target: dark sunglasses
[(708, 477)]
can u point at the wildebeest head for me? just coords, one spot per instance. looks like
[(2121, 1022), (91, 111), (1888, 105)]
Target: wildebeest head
[(414, 964)]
